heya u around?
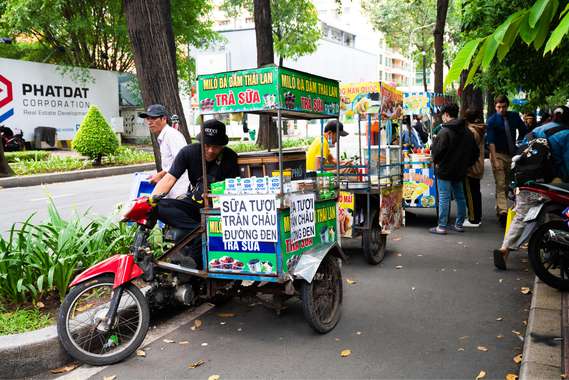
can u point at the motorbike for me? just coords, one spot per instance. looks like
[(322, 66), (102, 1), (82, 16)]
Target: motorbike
[(12, 142), (548, 226)]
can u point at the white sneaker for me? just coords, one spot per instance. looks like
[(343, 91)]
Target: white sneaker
[(471, 225)]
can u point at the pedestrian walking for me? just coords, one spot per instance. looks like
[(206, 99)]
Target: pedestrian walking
[(505, 128), (453, 151), (558, 142), (475, 172)]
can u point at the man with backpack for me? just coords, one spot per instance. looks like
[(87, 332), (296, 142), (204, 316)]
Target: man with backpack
[(544, 158)]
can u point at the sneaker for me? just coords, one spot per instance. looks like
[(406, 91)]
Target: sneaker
[(471, 225), (456, 228), (438, 230)]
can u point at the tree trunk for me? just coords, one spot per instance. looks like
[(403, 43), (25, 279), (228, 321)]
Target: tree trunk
[(471, 98), (149, 25), (5, 169), (490, 108), (439, 32), (268, 135)]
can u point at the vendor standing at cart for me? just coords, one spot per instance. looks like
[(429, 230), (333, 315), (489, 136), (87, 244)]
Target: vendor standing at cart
[(318, 153), (221, 163)]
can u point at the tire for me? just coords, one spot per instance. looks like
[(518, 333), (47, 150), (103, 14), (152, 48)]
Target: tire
[(549, 262), (374, 243), (99, 291), (322, 311)]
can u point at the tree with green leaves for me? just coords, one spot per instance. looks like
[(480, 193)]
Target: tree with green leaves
[(95, 138), (543, 25)]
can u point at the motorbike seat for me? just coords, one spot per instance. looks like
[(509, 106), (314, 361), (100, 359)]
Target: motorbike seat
[(558, 187)]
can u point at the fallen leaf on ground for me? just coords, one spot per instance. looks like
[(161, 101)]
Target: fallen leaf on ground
[(184, 342), (516, 332), (460, 349), (399, 267), (197, 325), (500, 281), (399, 255), (518, 358), (40, 305), (413, 288), (204, 344), (222, 323), (481, 375), (464, 337), (358, 332), (511, 376), (419, 255), (345, 353), (350, 281), (65, 369), (168, 341), (525, 290), (196, 364), (500, 319), (239, 329), (213, 377), (140, 353), (112, 377), (482, 348), (337, 339), (226, 315), (500, 336)]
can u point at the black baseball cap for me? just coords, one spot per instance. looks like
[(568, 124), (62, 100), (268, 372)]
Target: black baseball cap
[(214, 131), (155, 110), (331, 127)]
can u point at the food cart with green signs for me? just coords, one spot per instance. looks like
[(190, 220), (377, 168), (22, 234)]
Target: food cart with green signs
[(273, 230)]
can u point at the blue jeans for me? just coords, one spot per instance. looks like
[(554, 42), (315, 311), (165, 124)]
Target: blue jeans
[(446, 188)]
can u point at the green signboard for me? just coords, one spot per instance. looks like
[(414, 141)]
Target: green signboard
[(269, 89)]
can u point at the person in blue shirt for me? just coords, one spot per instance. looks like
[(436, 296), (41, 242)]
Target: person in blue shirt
[(558, 142), (409, 135), (504, 129), (525, 200)]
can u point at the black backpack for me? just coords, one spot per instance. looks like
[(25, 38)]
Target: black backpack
[(532, 161)]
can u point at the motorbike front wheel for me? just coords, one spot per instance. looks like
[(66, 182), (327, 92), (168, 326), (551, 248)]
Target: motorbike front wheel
[(550, 260), (81, 326)]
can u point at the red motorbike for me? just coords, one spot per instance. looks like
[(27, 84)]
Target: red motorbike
[(548, 248), (12, 142)]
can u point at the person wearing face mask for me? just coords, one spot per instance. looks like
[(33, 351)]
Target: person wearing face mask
[(319, 153)]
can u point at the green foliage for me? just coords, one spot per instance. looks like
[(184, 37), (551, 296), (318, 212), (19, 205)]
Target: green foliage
[(531, 24), (296, 29), (27, 155), (22, 320), (36, 260), (244, 147), (128, 156), (95, 137)]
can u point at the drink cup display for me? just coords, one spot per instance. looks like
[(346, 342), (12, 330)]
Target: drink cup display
[(255, 266), (238, 266), (267, 267)]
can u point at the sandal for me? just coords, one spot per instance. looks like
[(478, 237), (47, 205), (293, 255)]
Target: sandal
[(438, 230), (499, 261)]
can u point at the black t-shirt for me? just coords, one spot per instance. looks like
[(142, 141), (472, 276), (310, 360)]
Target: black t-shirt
[(190, 158)]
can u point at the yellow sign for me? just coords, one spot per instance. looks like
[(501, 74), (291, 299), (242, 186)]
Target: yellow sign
[(346, 204)]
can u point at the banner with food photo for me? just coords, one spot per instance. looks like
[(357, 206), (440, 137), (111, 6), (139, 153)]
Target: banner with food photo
[(419, 187), (346, 206)]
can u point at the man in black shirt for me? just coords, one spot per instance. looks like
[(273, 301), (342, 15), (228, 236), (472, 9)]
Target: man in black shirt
[(221, 163)]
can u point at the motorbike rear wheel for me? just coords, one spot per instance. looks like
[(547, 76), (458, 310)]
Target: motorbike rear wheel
[(80, 327), (549, 260)]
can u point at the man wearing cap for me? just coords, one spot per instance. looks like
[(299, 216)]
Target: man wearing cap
[(170, 141), (319, 151)]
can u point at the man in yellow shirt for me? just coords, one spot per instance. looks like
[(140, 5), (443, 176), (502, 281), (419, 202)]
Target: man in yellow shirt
[(319, 150)]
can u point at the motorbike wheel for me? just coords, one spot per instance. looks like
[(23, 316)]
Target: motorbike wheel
[(79, 329), (549, 261), (374, 243), (322, 298)]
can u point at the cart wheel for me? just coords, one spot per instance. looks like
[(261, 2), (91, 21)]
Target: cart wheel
[(322, 298), (374, 243)]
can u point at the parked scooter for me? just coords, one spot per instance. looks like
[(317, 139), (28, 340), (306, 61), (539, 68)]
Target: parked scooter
[(548, 248), (12, 142)]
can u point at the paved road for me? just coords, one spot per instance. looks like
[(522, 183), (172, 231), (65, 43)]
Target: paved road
[(97, 196), (423, 321)]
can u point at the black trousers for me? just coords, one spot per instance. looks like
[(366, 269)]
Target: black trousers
[(178, 213), (473, 199)]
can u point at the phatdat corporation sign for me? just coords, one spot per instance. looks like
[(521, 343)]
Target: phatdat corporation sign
[(39, 95)]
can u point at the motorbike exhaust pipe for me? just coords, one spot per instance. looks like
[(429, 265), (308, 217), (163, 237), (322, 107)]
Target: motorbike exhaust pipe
[(185, 294), (559, 237)]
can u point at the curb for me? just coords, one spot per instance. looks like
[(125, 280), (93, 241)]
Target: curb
[(34, 180), (542, 346), (36, 352)]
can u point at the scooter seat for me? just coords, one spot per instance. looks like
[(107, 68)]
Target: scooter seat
[(559, 187)]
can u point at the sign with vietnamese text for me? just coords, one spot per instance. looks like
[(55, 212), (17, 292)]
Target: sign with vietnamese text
[(252, 218), (302, 224)]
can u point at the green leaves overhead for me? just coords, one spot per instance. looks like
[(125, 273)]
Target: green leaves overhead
[(532, 25)]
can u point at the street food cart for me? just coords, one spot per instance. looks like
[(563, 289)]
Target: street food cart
[(370, 202), (274, 227), (419, 181)]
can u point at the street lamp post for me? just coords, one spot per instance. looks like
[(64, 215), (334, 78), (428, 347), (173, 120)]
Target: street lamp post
[(424, 54)]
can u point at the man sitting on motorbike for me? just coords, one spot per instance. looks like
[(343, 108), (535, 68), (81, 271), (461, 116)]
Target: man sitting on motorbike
[(221, 163), (525, 200)]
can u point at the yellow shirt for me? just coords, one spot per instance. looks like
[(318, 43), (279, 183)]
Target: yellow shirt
[(314, 151)]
